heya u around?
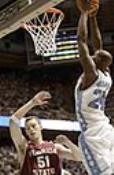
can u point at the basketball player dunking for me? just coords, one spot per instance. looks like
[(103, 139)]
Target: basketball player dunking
[(36, 156), (96, 141)]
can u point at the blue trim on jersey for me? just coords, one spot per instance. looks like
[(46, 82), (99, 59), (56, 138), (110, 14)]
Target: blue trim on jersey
[(81, 118), (87, 153), (89, 157)]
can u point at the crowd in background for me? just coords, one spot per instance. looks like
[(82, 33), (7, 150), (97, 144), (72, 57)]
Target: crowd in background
[(8, 161), (17, 87)]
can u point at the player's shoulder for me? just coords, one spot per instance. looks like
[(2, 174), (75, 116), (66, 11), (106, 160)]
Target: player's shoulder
[(103, 74)]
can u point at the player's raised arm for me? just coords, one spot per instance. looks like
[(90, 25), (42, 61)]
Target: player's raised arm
[(66, 149), (82, 33), (94, 28), (19, 140), (95, 34)]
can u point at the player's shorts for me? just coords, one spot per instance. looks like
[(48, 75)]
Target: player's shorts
[(97, 149)]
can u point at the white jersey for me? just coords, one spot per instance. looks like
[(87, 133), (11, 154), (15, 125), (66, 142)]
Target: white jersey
[(90, 102)]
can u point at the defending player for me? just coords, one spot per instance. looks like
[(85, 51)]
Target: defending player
[(37, 156), (97, 137)]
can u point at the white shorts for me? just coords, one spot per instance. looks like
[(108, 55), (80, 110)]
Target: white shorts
[(97, 149)]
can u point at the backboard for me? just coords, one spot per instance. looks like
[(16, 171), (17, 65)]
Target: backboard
[(19, 11)]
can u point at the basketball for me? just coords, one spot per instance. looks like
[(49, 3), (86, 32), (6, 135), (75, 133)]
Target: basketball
[(94, 6), (91, 5)]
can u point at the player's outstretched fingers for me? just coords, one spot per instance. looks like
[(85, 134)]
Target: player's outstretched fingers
[(42, 98)]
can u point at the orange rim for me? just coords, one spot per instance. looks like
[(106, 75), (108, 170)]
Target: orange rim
[(54, 10)]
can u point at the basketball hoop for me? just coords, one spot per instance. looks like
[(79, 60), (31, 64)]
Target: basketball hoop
[(43, 30)]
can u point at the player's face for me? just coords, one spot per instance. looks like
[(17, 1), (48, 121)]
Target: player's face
[(33, 130)]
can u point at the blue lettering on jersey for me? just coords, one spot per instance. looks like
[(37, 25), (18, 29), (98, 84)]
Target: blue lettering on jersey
[(103, 84), (99, 101)]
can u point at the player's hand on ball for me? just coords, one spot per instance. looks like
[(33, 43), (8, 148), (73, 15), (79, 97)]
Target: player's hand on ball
[(83, 5), (91, 6), (41, 98), (94, 7)]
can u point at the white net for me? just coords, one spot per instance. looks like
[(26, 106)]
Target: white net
[(43, 31)]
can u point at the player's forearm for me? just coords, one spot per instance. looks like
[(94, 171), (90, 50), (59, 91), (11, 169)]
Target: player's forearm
[(20, 113), (95, 34), (82, 32)]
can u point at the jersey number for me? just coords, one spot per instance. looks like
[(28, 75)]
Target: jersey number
[(43, 161), (98, 103)]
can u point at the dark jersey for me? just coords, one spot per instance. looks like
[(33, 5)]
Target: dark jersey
[(41, 160)]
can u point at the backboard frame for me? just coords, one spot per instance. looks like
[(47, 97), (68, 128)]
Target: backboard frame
[(24, 15)]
